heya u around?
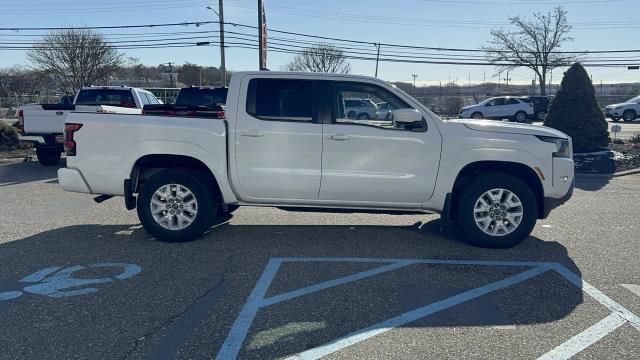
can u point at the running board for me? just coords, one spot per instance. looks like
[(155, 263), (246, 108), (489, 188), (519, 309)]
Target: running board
[(102, 198)]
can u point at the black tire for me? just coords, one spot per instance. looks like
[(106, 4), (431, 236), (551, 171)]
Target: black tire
[(466, 203), (48, 157), (520, 117), (541, 115), (206, 197), (477, 115), (363, 116), (629, 115)]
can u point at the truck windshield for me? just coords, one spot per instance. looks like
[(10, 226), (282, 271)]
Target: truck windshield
[(201, 97), (112, 97)]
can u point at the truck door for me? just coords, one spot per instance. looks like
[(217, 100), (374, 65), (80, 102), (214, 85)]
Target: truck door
[(376, 160), (278, 141)]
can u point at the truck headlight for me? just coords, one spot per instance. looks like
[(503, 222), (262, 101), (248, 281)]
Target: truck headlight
[(563, 146)]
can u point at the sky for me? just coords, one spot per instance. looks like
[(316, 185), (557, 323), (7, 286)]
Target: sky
[(598, 25)]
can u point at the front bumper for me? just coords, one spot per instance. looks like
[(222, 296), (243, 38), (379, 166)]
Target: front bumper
[(72, 180), (613, 113), (552, 203)]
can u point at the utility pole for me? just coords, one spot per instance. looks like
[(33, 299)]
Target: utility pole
[(170, 73), (377, 57), (220, 13), (414, 76), (469, 79), (260, 33), (223, 66), (507, 80)]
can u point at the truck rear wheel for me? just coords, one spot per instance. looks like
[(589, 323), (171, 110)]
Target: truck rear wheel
[(176, 206), (48, 156), (496, 210)]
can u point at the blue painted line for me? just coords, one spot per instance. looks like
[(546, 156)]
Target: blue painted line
[(233, 343), (335, 282), (10, 295), (40, 274), (421, 261), (130, 270), (416, 314)]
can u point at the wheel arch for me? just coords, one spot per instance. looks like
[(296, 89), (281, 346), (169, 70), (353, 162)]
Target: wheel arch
[(148, 165), (521, 171)]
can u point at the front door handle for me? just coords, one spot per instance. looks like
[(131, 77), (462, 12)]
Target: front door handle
[(253, 133), (340, 137)]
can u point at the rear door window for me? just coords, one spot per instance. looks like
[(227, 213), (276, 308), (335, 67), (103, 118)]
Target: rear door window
[(111, 97), (280, 100)]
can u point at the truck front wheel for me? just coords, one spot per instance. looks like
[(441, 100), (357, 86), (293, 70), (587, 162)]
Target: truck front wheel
[(496, 211), (176, 206), (48, 156)]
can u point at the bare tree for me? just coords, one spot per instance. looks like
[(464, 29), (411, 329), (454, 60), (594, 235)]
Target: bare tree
[(534, 45), (320, 58), (75, 58)]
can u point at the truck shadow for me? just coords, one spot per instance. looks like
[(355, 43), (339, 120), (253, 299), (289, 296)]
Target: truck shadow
[(592, 183), (175, 276), (14, 174)]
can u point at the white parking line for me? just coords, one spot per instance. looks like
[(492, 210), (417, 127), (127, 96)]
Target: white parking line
[(416, 314), (236, 337), (585, 339)]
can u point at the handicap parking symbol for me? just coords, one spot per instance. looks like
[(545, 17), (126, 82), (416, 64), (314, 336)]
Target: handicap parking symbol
[(57, 282)]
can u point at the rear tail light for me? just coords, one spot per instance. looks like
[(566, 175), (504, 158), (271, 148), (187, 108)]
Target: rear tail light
[(221, 114), (21, 121), (69, 143)]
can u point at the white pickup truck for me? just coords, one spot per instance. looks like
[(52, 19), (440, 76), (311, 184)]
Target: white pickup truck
[(47, 120), (288, 142)]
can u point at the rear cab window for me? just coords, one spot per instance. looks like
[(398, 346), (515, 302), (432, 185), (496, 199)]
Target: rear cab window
[(111, 97), (193, 97), (281, 99)]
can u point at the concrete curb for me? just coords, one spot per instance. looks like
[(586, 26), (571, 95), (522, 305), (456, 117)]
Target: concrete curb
[(609, 176)]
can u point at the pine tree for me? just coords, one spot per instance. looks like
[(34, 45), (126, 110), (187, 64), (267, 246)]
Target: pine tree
[(575, 112)]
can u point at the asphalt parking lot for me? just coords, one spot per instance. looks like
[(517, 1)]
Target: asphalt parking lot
[(83, 280)]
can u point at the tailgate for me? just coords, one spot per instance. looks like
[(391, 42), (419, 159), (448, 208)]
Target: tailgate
[(40, 121)]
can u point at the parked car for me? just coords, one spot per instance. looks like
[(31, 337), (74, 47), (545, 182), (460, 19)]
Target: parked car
[(208, 102), (361, 109), (47, 120), (383, 110), (627, 111), (498, 108), (285, 132), (540, 106)]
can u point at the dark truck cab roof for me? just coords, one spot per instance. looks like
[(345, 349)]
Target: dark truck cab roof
[(205, 102)]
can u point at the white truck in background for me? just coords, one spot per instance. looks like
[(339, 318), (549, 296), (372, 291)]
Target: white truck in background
[(287, 141), (47, 120)]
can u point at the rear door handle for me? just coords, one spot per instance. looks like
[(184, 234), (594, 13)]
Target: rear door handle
[(340, 137), (253, 133)]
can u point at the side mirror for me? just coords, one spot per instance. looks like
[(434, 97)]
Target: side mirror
[(407, 116)]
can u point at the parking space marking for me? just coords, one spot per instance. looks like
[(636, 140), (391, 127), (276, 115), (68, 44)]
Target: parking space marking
[(632, 287), (416, 314), (236, 337), (331, 283), (585, 339)]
